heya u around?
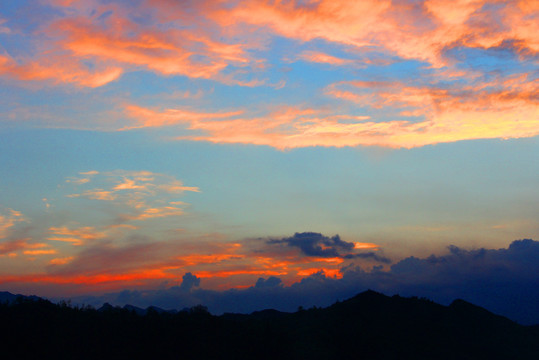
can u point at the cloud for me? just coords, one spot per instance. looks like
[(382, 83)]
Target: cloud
[(109, 262), (438, 112), (149, 118), (59, 70), (94, 194), (322, 58), (315, 244), (502, 280), (12, 246), (499, 108), (411, 30), (116, 250), (324, 249), (189, 281), (137, 195), (473, 64), (24, 246), (304, 269), (169, 53), (9, 221), (4, 29), (61, 261), (215, 40), (93, 43), (270, 282), (40, 252), (108, 259), (368, 255), (78, 236)]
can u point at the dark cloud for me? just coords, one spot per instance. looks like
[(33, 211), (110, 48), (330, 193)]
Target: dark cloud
[(504, 281), (189, 281), (272, 281), (316, 244), (368, 255)]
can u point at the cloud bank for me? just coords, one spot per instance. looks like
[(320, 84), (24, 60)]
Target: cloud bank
[(502, 280)]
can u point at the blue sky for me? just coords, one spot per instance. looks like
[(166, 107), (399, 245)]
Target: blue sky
[(140, 141)]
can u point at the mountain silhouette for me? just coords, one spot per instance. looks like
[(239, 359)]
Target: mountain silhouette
[(367, 326)]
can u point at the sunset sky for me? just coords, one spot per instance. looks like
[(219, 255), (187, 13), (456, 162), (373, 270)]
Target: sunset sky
[(283, 140)]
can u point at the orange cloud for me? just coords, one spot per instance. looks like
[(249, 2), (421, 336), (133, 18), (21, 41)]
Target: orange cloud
[(39, 252), (239, 271), (8, 221), (77, 236), (319, 57), (96, 194), (132, 46), (360, 245), (106, 265), (339, 21), (151, 213), (126, 278), (213, 39), (61, 261), (408, 29), (27, 247), (95, 43), (128, 184), (155, 51), (59, 70), (502, 108), (11, 246), (336, 273), (149, 118), (197, 259)]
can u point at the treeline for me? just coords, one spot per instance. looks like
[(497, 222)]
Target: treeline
[(368, 326)]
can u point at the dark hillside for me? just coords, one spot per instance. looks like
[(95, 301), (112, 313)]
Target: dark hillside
[(367, 326)]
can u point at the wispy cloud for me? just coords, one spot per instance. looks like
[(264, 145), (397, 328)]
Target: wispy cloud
[(151, 118), (77, 236), (58, 71), (24, 246), (502, 108), (8, 220), (4, 29), (138, 195), (323, 58), (80, 245)]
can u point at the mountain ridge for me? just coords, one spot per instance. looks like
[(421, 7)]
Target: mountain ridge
[(369, 325)]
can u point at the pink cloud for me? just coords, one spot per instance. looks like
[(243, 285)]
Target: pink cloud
[(500, 108), (58, 70), (408, 29), (202, 39), (319, 57)]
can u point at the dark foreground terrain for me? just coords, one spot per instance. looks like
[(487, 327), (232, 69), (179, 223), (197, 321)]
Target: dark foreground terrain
[(367, 326)]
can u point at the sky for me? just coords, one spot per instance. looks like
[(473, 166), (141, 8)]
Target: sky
[(177, 149)]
